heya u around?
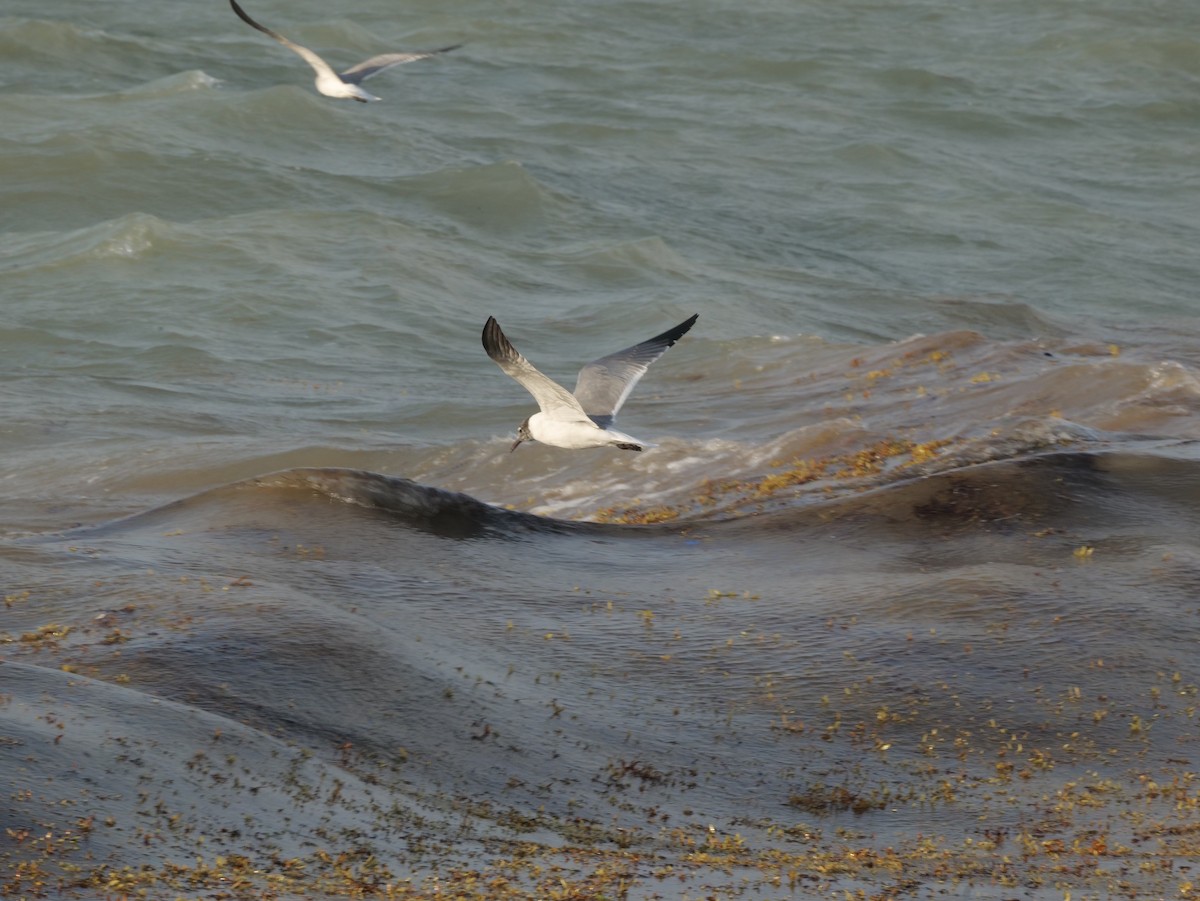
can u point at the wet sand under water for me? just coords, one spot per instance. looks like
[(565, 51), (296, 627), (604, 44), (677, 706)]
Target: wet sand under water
[(330, 683)]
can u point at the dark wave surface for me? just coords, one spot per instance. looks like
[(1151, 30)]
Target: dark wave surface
[(915, 676)]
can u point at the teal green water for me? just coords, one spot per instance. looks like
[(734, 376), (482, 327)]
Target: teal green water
[(932, 246), (204, 261)]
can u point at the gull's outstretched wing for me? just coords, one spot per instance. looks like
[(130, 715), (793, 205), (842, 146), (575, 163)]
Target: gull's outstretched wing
[(319, 65), (555, 400), (369, 68), (604, 384)]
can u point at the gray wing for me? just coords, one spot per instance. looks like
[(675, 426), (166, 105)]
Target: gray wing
[(555, 400), (319, 65), (604, 384), (376, 64)]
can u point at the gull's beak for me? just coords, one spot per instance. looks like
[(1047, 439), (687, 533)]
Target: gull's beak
[(515, 443)]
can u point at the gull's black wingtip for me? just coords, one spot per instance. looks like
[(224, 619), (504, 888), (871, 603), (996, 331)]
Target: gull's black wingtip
[(244, 16), (670, 336), (242, 13), (494, 342)]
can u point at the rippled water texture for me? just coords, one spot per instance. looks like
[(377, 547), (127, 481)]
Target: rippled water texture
[(904, 603)]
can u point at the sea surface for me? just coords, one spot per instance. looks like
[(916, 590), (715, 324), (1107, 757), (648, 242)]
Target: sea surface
[(904, 603)]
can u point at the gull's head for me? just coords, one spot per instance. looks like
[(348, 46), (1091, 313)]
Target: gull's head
[(523, 434)]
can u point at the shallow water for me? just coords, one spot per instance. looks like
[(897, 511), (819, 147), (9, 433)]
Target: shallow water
[(904, 602)]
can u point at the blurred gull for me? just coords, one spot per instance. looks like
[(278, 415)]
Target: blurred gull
[(582, 419), (330, 83)]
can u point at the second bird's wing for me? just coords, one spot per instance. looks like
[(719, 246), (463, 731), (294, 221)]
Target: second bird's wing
[(369, 68), (604, 384)]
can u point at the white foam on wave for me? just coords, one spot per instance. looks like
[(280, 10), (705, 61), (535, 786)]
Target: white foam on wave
[(127, 237), (180, 82)]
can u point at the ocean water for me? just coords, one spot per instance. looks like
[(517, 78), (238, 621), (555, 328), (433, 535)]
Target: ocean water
[(904, 603)]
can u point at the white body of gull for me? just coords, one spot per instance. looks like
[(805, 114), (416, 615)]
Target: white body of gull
[(346, 84), (582, 419)]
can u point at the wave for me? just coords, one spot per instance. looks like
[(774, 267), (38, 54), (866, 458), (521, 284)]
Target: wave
[(32, 41), (445, 514), (501, 197), (170, 85), (1014, 481), (331, 658), (128, 237), (860, 420)]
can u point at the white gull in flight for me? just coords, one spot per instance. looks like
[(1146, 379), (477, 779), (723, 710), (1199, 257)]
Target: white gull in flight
[(345, 85), (582, 419)]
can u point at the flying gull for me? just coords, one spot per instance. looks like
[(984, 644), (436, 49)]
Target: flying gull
[(582, 419), (330, 83)]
